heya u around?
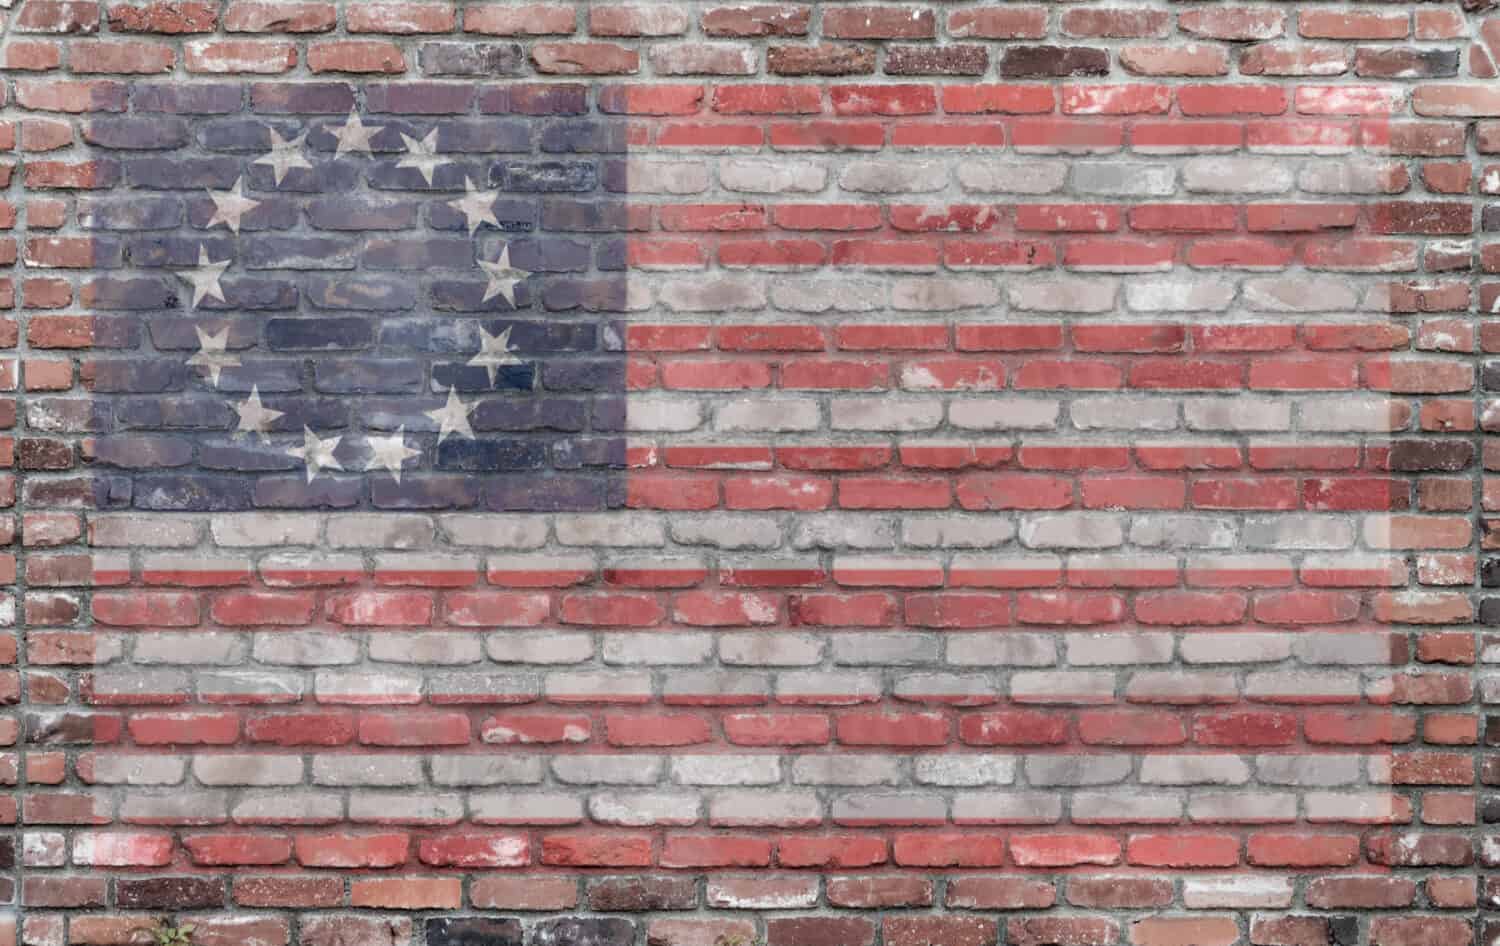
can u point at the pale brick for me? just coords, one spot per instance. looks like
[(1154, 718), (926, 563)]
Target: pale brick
[(354, 531), (265, 530), (611, 530), (1012, 177), (1072, 531), (726, 770), (846, 770), (893, 177), (886, 414), (771, 177), (1018, 808), (503, 532), (768, 414)]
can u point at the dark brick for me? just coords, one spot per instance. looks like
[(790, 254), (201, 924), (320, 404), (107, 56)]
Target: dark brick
[(299, 252), (435, 335), (294, 492), (325, 334), (420, 98), (643, 893), (581, 374), (182, 173), (133, 377), (361, 213), (1489, 611), (611, 254), (246, 456), (197, 98), (246, 293), (1432, 217), (936, 60), (1489, 813), (169, 893), (174, 413), (367, 376), (474, 931), (544, 98), (138, 452), (1411, 456), (362, 294), (470, 379), (590, 295), (546, 176), (827, 59), (574, 493), (109, 292), (586, 137), (308, 98), (1040, 62), (425, 491), (1489, 573), (37, 453), (191, 493), (248, 135), (549, 255), (136, 133), (470, 59), (131, 214), (531, 413), (1405, 63), (581, 216), (319, 413), (575, 453), (485, 137), (420, 253), (487, 456)]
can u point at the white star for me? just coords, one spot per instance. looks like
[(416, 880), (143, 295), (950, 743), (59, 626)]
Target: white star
[(230, 206), (255, 418), (494, 351), (316, 453), (204, 277), (452, 418), (389, 453), (502, 277), (212, 354), (422, 155), (354, 135), (478, 207), (284, 155)]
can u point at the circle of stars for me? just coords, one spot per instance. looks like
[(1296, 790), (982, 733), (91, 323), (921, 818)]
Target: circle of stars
[(387, 454)]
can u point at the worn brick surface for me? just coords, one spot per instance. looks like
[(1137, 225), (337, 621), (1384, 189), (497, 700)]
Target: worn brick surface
[(933, 473)]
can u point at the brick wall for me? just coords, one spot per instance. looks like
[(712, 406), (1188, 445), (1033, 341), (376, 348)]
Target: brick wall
[(930, 474)]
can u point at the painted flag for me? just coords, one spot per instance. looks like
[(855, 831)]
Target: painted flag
[(946, 472)]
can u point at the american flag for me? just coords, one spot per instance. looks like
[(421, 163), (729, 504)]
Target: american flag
[(558, 473)]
